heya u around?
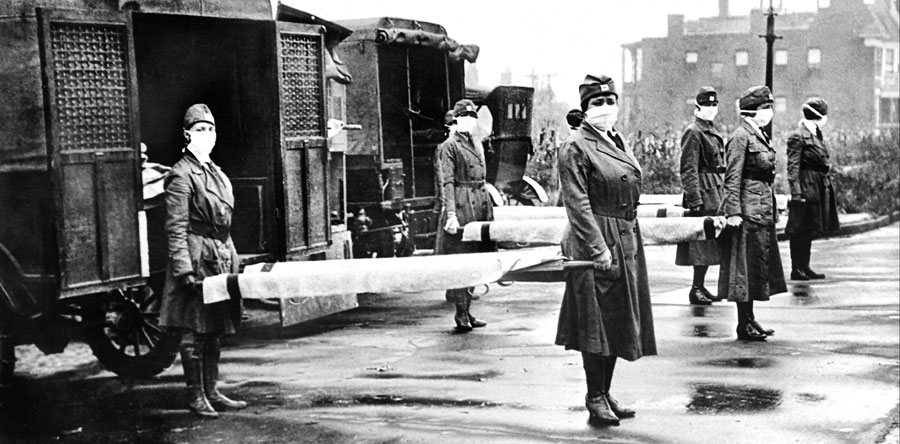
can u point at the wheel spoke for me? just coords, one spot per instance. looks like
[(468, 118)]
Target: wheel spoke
[(137, 345), (150, 341)]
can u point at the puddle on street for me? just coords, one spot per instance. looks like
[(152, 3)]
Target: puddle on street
[(742, 362), (810, 397), (721, 398), (803, 295), (698, 311), (474, 376), (706, 331), (400, 401)]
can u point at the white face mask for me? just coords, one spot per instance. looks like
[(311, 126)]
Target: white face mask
[(602, 117), (763, 117), (202, 143), (465, 124), (707, 112), (822, 121)]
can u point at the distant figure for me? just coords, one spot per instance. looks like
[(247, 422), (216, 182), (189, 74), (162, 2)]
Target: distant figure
[(605, 311), (574, 118), (751, 264), (702, 176), (199, 205), (812, 209), (459, 169)]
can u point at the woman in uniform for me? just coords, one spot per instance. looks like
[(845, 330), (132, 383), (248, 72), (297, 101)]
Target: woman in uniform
[(605, 311), (751, 264), (812, 209), (702, 172), (199, 204), (462, 197)]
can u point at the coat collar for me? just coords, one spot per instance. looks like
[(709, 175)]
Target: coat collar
[(706, 126), (755, 130), (210, 183), (606, 146), (467, 142)]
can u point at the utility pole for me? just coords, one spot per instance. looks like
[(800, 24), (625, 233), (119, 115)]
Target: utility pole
[(770, 52)]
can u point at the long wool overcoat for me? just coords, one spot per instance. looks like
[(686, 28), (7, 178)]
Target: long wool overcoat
[(751, 264), (807, 169), (607, 313), (702, 178), (459, 169), (199, 205)]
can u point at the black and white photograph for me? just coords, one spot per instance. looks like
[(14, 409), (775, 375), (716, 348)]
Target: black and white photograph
[(408, 222)]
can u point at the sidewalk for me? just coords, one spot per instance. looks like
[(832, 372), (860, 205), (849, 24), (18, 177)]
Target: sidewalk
[(851, 223)]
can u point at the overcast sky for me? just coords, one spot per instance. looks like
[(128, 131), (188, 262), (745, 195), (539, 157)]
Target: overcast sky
[(565, 38)]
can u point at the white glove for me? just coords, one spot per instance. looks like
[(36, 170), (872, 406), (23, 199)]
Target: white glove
[(452, 225)]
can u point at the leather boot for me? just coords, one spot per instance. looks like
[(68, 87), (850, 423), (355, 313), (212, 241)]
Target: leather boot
[(600, 411), (798, 274), (475, 323), (697, 297), (618, 410), (812, 274), (463, 324), (191, 362), (211, 352), (745, 330)]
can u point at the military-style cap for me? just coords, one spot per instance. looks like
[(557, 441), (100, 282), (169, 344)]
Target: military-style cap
[(817, 105), (755, 96), (198, 113), (594, 86), (449, 118), (574, 117), (707, 96), (465, 107)]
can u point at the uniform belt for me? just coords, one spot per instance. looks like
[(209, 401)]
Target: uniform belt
[(211, 231), (473, 184), (616, 213), (762, 176), (819, 168), (716, 170)]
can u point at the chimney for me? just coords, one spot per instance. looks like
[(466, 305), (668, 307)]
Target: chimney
[(723, 8), (676, 25)]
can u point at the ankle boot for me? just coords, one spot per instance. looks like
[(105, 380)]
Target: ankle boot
[(191, 363), (475, 323), (746, 332), (463, 324), (211, 353), (812, 274), (600, 411), (618, 410), (698, 296), (798, 274)]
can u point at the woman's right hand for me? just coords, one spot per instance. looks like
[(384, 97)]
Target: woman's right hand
[(603, 261), (734, 221), (452, 225)]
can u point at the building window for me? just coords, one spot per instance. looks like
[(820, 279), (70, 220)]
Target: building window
[(627, 66), (716, 69), (889, 60), (781, 57), (638, 64), (889, 111), (879, 60), (741, 58), (814, 58), (690, 58), (780, 104)]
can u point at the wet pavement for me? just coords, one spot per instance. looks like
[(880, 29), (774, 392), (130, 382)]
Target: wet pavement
[(393, 371)]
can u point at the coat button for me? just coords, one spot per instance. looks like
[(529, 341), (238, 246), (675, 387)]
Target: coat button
[(623, 231), (624, 178), (624, 205)]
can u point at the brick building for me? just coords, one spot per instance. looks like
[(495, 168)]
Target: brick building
[(846, 52)]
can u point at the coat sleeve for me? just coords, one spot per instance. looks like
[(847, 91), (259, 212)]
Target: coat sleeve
[(445, 169), (735, 153), (690, 159), (794, 154), (574, 175), (178, 198)]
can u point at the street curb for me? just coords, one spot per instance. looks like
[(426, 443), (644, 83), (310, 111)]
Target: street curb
[(855, 228)]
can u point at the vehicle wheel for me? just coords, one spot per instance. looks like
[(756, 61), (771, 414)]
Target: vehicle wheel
[(522, 194), (125, 336)]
